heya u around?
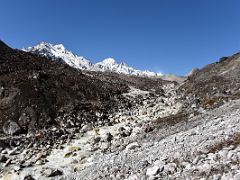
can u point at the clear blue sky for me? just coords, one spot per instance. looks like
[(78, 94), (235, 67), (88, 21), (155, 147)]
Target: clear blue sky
[(171, 36)]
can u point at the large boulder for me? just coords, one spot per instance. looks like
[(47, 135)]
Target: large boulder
[(11, 128)]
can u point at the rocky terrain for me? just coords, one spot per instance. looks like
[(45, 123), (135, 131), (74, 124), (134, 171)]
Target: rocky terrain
[(214, 84), (60, 122), (204, 147)]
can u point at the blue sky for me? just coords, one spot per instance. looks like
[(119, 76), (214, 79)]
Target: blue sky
[(170, 36)]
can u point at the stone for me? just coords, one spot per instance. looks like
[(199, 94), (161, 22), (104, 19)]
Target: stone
[(217, 176), (4, 151), (86, 128), (56, 172), (235, 158), (54, 129), (132, 146), (7, 163), (124, 132), (39, 162), (52, 172), (3, 145), (236, 176), (17, 168), (104, 146), (232, 156), (187, 165), (152, 171), (27, 164), (204, 151), (96, 140), (136, 131), (195, 161), (68, 154), (205, 168), (133, 177), (13, 152), (234, 167), (170, 167), (74, 148), (109, 137), (223, 154), (11, 128), (148, 128), (3, 158), (28, 177), (212, 156), (160, 164), (144, 164)]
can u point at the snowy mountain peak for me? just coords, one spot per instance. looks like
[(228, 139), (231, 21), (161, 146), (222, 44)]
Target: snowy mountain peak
[(60, 47), (109, 61), (56, 52), (44, 44), (59, 52), (47, 47)]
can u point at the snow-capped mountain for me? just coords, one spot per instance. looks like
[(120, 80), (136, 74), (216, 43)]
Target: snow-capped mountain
[(59, 52), (110, 64)]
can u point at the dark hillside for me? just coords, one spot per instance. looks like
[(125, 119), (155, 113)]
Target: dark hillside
[(34, 91), (215, 83)]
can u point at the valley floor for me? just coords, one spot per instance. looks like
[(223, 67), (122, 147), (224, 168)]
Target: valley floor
[(137, 147), (207, 146)]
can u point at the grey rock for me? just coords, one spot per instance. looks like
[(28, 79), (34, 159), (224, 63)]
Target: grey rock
[(86, 128), (28, 177), (7, 163), (55, 172), (132, 146), (39, 162), (11, 128), (13, 152), (96, 140), (52, 172), (16, 167), (170, 167), (152, 171), (236, 176), (3, 158), (4, 151)]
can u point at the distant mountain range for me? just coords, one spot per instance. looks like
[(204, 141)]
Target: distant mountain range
[(59, 52)]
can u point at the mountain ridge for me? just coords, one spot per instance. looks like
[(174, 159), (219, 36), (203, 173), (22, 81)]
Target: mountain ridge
[(59, 52)]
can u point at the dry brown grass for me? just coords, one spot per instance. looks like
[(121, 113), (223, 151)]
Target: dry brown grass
[(171, 120), (214, 102), (235, 141), (209, 102)]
